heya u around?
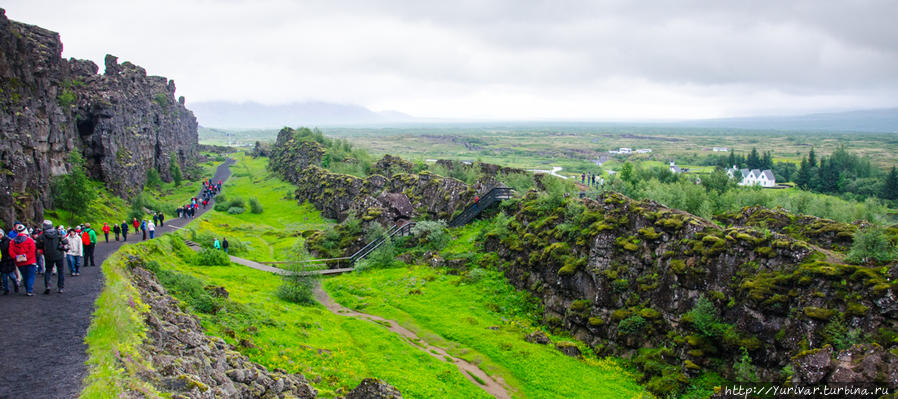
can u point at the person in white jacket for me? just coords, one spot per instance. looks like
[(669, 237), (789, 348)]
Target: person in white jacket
[(73, 254), (151, 227)]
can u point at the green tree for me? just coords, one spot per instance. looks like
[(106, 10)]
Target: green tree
[(871, 246), (298, 285), (175, 170), (718, 181), (73, 192), (626, 172), (812, 158), (890, 187), (732, 160), (754, 159), (153, 179)]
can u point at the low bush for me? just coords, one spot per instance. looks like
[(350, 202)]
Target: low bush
[(211, 257), (255, 206), (236, 210)]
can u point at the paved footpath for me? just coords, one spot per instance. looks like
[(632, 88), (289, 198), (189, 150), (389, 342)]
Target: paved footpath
[(42, 349)]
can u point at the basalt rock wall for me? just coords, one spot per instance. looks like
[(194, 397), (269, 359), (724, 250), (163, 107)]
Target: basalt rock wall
[(402, 195), (124, 122), (626, 276)]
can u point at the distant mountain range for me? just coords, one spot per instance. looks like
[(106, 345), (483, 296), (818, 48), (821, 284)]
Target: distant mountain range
[(873, 120), (252, 115)]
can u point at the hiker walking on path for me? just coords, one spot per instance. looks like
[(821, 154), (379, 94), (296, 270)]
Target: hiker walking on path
[(7, 265), (23, 251), (155, 218), (143, 229), (476, 201), (116, 229), (106, 231), (89, 243), (161, 219), (151, 227), (50, 241), (216, 244), (75, 251), (224, 244), (124, 230), (136, 225)]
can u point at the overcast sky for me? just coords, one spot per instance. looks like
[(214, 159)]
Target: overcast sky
[(587, 60)]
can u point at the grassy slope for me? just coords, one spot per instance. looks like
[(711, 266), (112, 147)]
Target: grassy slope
[(269, 235), (460, 313)]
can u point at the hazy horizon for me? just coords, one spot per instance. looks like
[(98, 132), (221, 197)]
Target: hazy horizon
[(501, 60)]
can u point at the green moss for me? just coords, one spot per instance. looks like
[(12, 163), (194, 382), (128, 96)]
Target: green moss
[(649, 313), (580, 305), (818, 313), (678, 266), (670, 223), (620, 314), (766, 252), (596, 321), (690, 365), (649, 233)]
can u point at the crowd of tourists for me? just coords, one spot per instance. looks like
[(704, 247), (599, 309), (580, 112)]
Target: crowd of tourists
[(209, 191), (30, 251), (26, 252)]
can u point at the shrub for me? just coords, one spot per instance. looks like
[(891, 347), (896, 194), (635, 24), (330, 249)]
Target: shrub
[(299, 285), (631, 325), (743, 368), (175, 170), (137, 210), (432, 235), (187, 288), (236, 210), (703, 317), (254, 205), (211, 257), (221, 206), (153, 179), (236, 202), (871, 246), (382, 258), (72, 192)]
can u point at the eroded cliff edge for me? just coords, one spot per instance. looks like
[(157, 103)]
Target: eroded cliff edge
[(123, 121)]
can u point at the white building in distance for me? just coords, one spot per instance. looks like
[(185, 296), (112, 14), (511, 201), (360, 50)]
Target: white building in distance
[(754, 177)]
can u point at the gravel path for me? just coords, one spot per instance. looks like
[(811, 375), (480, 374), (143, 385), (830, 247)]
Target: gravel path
[(42, 349)]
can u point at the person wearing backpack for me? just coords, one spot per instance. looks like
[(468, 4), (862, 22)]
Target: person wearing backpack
[(106, 231), (161, 219), (7, 265), (51, 243), (73, 254), (143, 228), (116, 229), (23, 252), (224, 244), (124, 230), (89, 242)]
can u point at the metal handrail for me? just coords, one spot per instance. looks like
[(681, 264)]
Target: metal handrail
[(493, 195)]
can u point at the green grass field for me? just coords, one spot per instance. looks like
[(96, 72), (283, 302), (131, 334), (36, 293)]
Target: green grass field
[(482, 319), (266, 236)]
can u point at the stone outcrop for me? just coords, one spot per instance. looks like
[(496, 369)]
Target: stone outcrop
[(625, 277), (401, 196), (372, 388), (189, 364), (123, 121), (825, 233)]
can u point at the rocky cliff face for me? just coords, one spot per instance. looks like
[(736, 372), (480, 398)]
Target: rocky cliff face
[(123, 122), (680, 295), (402, 195)]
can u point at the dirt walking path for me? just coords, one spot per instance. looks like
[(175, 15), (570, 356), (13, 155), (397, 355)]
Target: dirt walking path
[(495, 386), (42, 348)]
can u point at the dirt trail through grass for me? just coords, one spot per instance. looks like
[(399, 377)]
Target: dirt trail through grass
[(495, 386)]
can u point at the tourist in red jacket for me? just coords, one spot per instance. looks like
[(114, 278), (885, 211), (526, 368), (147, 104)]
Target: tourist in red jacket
[(22, 250)]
